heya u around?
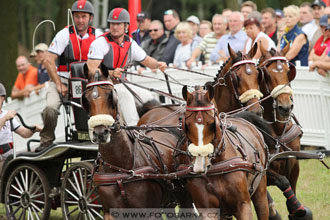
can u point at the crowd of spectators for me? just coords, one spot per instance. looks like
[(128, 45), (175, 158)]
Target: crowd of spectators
[(304, 28), (185, 42)]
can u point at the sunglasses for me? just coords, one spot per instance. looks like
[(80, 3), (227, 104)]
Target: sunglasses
[(168, 12), (151, 30)]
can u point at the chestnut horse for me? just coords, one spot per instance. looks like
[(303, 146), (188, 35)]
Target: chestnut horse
[(277, 74), (237, 83), (125, 162), (229, 159)]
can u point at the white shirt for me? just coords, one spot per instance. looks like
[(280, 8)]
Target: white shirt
[(100, 47), (183, 53), (61, 41), (310, 29), (6, 135), (249, 43)]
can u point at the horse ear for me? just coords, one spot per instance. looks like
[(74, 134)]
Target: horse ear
[(263, 50), (210, 92), (86, 71), (253, 50), (231, 52), (184, 92), (285, 50), (104, 70)]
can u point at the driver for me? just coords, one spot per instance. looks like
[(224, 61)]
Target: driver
[(6, 137), (117, 50), (69, 45)]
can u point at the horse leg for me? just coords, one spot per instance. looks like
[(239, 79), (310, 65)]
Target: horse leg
[(273, 213), (244, 211), (259, 200), (295, 208)]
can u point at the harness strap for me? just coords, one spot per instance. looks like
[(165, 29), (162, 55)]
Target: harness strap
[(294, 132)]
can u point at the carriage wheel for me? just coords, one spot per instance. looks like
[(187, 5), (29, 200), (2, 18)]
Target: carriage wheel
[(27, 193), (79, 198)]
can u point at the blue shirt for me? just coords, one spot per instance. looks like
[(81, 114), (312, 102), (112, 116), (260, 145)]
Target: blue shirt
[(42, 75), (236, 42)]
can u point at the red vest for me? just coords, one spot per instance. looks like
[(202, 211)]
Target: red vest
[(118, 54), (72, 53)]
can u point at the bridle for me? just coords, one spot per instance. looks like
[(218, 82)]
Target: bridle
[(279, 89), (232, 73)]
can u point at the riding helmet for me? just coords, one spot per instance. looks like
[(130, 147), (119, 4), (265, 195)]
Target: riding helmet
[(119, 15)]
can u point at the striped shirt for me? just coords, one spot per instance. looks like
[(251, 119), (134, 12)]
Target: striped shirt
[(208, 44)]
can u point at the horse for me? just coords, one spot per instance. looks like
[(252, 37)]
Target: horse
[(129, 162), (277, 74), (228, 159), (237, 83)]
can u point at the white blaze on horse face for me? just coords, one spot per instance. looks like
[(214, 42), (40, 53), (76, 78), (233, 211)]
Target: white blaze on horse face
[(200, 129), (199, 164)]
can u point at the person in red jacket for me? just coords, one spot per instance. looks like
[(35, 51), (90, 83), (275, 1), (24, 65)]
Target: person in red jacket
[(71, 44)]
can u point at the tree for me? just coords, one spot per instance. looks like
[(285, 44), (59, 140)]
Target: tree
[(8, 45)]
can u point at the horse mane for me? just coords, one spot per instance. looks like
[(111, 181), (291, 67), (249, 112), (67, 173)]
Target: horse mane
[(149, 105)]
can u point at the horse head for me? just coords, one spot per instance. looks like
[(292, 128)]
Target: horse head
[(277, 75), (241, 74), (201, 126), (100, 101)]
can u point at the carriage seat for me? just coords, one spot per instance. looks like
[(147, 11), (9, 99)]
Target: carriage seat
[(77, 86)]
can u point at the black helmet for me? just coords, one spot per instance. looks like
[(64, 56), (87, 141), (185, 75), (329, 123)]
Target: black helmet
[(2, 90), (83, 6), (119, 15)]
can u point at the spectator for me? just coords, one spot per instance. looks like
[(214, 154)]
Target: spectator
[(268, 22), (248, 7), (194, 23), (39, 56), (322, 66), (219, 23), (226, 13), (309, 27), (279, 15), (183, 52), (155, 46), (142, 34), (236, 38), (63, 51), (280, 32), (26, 80), (6, 137), (322, 45), (205, 28), (318, 11), (253, 31), (171, 20), (295, 37)]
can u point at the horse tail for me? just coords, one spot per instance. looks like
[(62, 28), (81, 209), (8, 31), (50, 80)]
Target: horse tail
[(147, 106), (260, 124)]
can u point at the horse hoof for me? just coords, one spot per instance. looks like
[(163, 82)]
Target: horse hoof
[(275, 217), (305, 214)]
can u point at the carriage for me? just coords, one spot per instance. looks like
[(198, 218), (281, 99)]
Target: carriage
[(32, 184)]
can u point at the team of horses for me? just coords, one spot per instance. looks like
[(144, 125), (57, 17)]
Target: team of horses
[(207, 152)]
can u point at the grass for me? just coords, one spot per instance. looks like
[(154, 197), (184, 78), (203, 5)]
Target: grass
[(313, 190)]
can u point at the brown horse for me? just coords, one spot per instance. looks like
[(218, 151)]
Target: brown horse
[(237, 83), (127, 170), (278, 73), (229, 159)]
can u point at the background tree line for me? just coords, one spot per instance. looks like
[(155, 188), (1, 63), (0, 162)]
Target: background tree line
[(18, 19)]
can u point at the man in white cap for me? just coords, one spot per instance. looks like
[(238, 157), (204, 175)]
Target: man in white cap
[(39, 55), (194, 23)]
